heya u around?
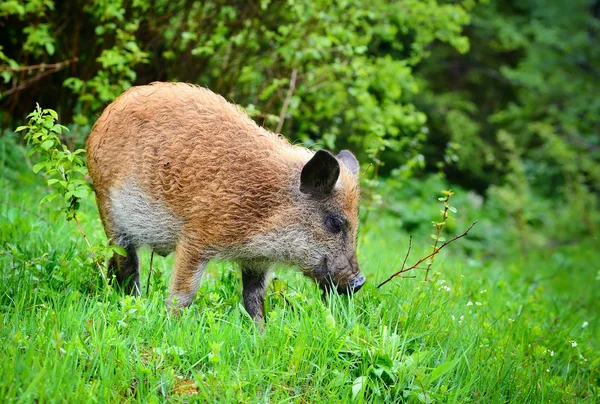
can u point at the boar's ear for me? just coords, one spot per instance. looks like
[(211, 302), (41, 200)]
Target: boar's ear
[(349, 161), (320, 174)]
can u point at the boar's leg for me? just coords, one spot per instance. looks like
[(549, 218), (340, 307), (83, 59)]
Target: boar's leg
[(185, 279), (126, 270), (255, 280)]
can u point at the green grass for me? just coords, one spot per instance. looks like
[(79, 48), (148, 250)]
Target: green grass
[(492, 326)]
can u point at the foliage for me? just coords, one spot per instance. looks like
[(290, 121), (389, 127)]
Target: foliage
[(439, 226), (354, 60), (64, 170), (65, 173), (520, 114), (392, 81)]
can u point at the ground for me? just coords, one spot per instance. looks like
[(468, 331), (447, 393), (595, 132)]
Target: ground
[(494, 324)]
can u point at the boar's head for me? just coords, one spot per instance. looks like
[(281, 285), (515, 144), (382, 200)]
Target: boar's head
[(328, 213)]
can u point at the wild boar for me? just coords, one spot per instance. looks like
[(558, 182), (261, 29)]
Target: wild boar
[(178, 168)]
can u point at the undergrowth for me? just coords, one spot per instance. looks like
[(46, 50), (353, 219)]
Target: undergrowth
[(489, 326)]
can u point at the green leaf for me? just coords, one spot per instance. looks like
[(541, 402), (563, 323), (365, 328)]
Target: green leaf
[(452, 209), (52, 113), (441, 370), (36, 168), (357, 386), (50, 48), (81, 193), (119, 250), (20, 128), (47, 144), (48, 198)]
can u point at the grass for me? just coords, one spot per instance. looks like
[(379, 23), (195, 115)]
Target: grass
[(491, 325)]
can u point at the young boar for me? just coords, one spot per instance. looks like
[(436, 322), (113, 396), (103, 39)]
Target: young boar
[(176, 167)]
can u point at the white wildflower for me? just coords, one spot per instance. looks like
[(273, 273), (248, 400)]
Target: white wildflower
[(470, 303), (551, 353), (478, 303), (483, 291), (585, 324), (573, 344)]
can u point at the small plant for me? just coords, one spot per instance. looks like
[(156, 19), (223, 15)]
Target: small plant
[(440, 225), (65, 171), (446, 214)]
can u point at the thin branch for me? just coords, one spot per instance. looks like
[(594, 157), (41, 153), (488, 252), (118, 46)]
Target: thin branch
[(27, 82), (437, 250), (149, 273), (438, 230), (407, 253), (286, 102), (90, 247), (41, 66), (365, 172), (33, 79)]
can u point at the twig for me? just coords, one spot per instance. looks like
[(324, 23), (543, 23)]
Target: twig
[(365, 172), (90, 247), (438, 230), (27, 82), (407, 253), (33, 79), (286, 102), (41, 66), (437, 250), (149, 273)]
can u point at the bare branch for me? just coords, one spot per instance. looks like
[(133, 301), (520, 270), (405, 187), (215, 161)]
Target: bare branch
[(407, 253), (38, 76), (41, 66), (365, 172), (437, 250)]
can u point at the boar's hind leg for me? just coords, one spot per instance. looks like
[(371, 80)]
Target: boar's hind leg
[(254, 280), (185, 279), (126, 270)]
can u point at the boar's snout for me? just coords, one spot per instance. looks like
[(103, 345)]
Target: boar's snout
[(346, 281), (353, 286), (356, 284)]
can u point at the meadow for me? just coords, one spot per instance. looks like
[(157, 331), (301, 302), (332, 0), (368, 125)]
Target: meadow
[(494, 323)]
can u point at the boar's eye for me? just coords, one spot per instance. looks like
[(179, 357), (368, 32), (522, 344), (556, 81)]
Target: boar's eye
[(333, 224)]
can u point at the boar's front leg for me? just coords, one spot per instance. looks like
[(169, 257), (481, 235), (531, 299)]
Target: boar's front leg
[(255, 280), (187, 272), (126, 270)]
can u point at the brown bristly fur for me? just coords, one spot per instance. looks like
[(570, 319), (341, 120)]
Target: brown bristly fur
[(211, 181)]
